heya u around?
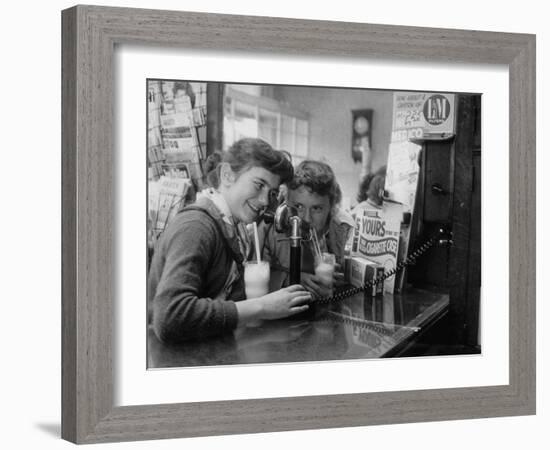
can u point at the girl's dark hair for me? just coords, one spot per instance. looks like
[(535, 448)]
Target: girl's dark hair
[(319, 178), (211, 169), (253, 152), (376, 179)]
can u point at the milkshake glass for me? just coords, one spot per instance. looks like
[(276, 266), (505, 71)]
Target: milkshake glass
[(324, 268), (256, 278)]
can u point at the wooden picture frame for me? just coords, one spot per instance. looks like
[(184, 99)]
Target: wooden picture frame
[(90, 34)]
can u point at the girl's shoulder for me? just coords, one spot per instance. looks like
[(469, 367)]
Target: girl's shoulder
[(342, 219), (191, 227)]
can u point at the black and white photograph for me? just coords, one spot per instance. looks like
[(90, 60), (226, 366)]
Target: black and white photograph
[(291, 224)]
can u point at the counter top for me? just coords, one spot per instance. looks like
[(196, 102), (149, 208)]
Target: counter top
[(358, 327)]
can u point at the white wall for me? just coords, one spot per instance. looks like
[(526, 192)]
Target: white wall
[(331, 128), (30, 327)]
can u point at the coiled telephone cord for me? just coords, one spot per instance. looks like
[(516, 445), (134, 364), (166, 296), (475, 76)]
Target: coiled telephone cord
[(406, 262)]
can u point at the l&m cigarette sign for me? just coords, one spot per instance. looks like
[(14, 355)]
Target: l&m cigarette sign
[(417, 114), (437, 110)]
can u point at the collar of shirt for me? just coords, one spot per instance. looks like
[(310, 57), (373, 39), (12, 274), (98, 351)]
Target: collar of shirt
[(220, 203), (237, 229)]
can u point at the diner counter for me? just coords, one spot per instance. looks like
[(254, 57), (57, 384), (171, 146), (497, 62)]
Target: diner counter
[(358, 327)]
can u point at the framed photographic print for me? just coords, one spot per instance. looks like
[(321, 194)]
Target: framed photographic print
[(213, 214)]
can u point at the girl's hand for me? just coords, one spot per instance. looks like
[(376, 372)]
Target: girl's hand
[(315, 285), (284, 302)]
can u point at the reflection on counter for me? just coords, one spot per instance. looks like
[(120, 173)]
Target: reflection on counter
[(358, 327)]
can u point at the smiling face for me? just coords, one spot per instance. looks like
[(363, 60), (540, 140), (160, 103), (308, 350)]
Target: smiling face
[(312, 208), (248, 193)]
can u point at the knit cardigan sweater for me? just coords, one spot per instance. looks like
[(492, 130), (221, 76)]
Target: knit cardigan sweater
[(188, 272)]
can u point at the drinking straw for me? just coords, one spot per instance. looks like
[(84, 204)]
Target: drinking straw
[(316, 245), (312, 232), (257, 243)]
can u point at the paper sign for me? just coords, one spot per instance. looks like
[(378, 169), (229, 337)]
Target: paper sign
[(420, 114), (378, 240), (402, 173)]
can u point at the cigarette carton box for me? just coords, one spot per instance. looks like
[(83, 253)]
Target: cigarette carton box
[(362, 270)]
